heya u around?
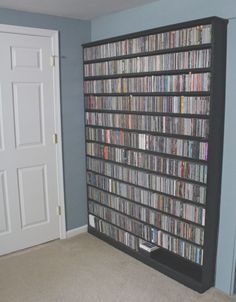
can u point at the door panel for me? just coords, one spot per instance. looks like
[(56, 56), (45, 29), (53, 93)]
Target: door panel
[(33, 196), (27, 98), (22, 58)]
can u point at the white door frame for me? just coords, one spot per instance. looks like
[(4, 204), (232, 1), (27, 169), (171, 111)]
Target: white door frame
[(54, 35)]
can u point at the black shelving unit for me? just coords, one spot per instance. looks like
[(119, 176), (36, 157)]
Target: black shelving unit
[(168, 191)]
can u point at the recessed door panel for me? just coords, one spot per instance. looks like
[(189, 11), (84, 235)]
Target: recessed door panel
[(28, 111), (23, 57), (33, 195), (4, 209)]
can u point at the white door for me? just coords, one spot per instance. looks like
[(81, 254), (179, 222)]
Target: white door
[(28, 161)]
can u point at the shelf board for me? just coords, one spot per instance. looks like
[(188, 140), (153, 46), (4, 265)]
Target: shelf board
[(176, 93), (146, 74), (183, 115)]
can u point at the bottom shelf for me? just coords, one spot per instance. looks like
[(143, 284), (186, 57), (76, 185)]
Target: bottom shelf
[(182, 271)]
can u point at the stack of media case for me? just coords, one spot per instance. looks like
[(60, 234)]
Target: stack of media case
[(154, 113)]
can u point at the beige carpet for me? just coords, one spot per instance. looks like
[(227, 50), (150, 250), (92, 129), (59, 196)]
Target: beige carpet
[(85, 269)]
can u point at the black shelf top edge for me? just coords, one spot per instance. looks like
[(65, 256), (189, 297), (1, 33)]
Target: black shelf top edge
[(145, 74), (162, 29), (139, 203), (168, 176), (177, 93), (184, 115), (171, 234), (149, 207), (151, 53), (178, 157), (151, 190), (180, 136)]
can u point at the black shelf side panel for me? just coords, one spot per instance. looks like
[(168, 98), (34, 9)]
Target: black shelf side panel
[(215, 152)]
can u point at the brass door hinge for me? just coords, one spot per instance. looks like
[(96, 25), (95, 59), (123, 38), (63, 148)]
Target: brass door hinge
[(55, 138), (59, 210), (53, 61)]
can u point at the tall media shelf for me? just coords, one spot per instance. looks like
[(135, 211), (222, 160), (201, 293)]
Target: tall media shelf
[(154, 112)]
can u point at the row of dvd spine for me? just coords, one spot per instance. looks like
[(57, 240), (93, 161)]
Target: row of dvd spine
[(196, 35), (174, 187), (172, 61), (158, 104), (190, 82), (161, 238), (149, 142), (115, 233), (167, 223), (156, 163), (163, 124), (102, 188)]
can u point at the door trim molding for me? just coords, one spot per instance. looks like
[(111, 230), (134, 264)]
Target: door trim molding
[(54, 35)]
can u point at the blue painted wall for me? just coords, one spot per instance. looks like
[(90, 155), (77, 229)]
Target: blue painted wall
[(72, 34), (75, 32), (166, 12)]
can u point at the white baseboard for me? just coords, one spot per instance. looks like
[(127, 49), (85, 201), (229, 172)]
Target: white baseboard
[(77, 231)]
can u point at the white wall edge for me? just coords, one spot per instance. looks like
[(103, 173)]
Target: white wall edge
[(77, 231), (233, 277)]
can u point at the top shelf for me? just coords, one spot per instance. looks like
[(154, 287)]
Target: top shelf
[(177, 26)]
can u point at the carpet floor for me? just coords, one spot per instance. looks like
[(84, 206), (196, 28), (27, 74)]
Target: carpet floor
[(85, 269)]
